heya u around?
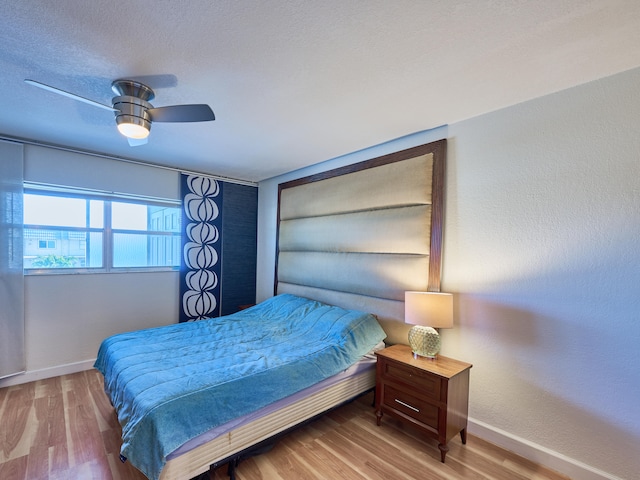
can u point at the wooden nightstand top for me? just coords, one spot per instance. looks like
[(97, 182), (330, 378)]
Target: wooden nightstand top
[(442, 366)]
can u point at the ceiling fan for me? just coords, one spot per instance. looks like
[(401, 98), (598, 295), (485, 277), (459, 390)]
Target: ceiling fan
[(134, 114)]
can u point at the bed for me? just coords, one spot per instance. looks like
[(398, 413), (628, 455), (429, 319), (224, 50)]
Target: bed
[(164, 381), (353, 239)]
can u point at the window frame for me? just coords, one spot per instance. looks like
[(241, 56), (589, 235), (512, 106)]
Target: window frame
[(107, 231)]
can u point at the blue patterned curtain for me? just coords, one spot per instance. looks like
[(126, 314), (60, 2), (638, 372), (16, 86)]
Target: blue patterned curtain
[(201, 247)]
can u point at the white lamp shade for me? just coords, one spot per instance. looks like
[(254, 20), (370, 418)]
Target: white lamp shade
[(434, 309)]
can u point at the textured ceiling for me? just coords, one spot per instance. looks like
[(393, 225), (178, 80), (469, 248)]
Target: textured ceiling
[(294, 83)]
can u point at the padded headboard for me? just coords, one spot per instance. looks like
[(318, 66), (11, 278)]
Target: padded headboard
[(361, 235)]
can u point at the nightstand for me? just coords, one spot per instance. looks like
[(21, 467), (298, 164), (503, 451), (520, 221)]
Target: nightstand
[(430, 394)]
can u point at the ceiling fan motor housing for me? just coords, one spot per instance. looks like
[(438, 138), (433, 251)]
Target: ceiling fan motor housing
[(131, 88), (133, 105), (132, 110)]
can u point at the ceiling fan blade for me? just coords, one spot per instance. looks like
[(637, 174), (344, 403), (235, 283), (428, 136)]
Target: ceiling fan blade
[(69, 95), (182, 113), (136, 142)]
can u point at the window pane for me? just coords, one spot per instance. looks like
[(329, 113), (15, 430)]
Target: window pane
[(95, 250), (133, 216), (96, 214), (58, 211), (142, 250), (128, 216), (62, 249)]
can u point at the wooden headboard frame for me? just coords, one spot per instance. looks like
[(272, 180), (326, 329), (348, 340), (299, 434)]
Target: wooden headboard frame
[(359, 236)]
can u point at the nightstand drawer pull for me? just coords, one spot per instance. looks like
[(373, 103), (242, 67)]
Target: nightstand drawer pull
[(407, 405)]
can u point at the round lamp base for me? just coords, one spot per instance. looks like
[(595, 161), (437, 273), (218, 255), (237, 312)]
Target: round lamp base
[(424, 341)]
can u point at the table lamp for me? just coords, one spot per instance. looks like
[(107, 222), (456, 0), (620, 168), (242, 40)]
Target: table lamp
[(427, 311)]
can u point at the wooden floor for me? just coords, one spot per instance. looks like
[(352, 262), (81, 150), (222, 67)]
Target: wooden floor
[(65, 428)]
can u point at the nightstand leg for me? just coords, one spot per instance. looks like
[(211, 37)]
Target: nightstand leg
[(443, 451), (378, 417), (463, 436)]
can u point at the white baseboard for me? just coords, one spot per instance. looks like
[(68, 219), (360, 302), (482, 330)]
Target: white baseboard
[(33, 375), (537, 453)]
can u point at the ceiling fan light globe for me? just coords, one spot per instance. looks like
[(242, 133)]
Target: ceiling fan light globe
[(133, 128)]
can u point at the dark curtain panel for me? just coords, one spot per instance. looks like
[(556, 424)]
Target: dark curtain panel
[(239, 246)]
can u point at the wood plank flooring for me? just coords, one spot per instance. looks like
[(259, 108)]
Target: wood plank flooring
[(64, 428)]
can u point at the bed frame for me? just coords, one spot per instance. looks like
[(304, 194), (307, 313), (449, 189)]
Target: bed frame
[(357, 237), (251, 438)]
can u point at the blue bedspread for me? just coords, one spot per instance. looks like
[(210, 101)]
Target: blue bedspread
[(172, 383)]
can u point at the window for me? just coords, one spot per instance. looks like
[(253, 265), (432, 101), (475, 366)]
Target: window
[(67, 231), (51, 244)]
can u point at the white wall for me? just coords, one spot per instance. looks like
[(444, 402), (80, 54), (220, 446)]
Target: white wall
[(67, 316), (542, 252), (543, 249)]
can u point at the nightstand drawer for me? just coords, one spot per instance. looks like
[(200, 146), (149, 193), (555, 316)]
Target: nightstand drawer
[(411, 406), (423, 382)]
